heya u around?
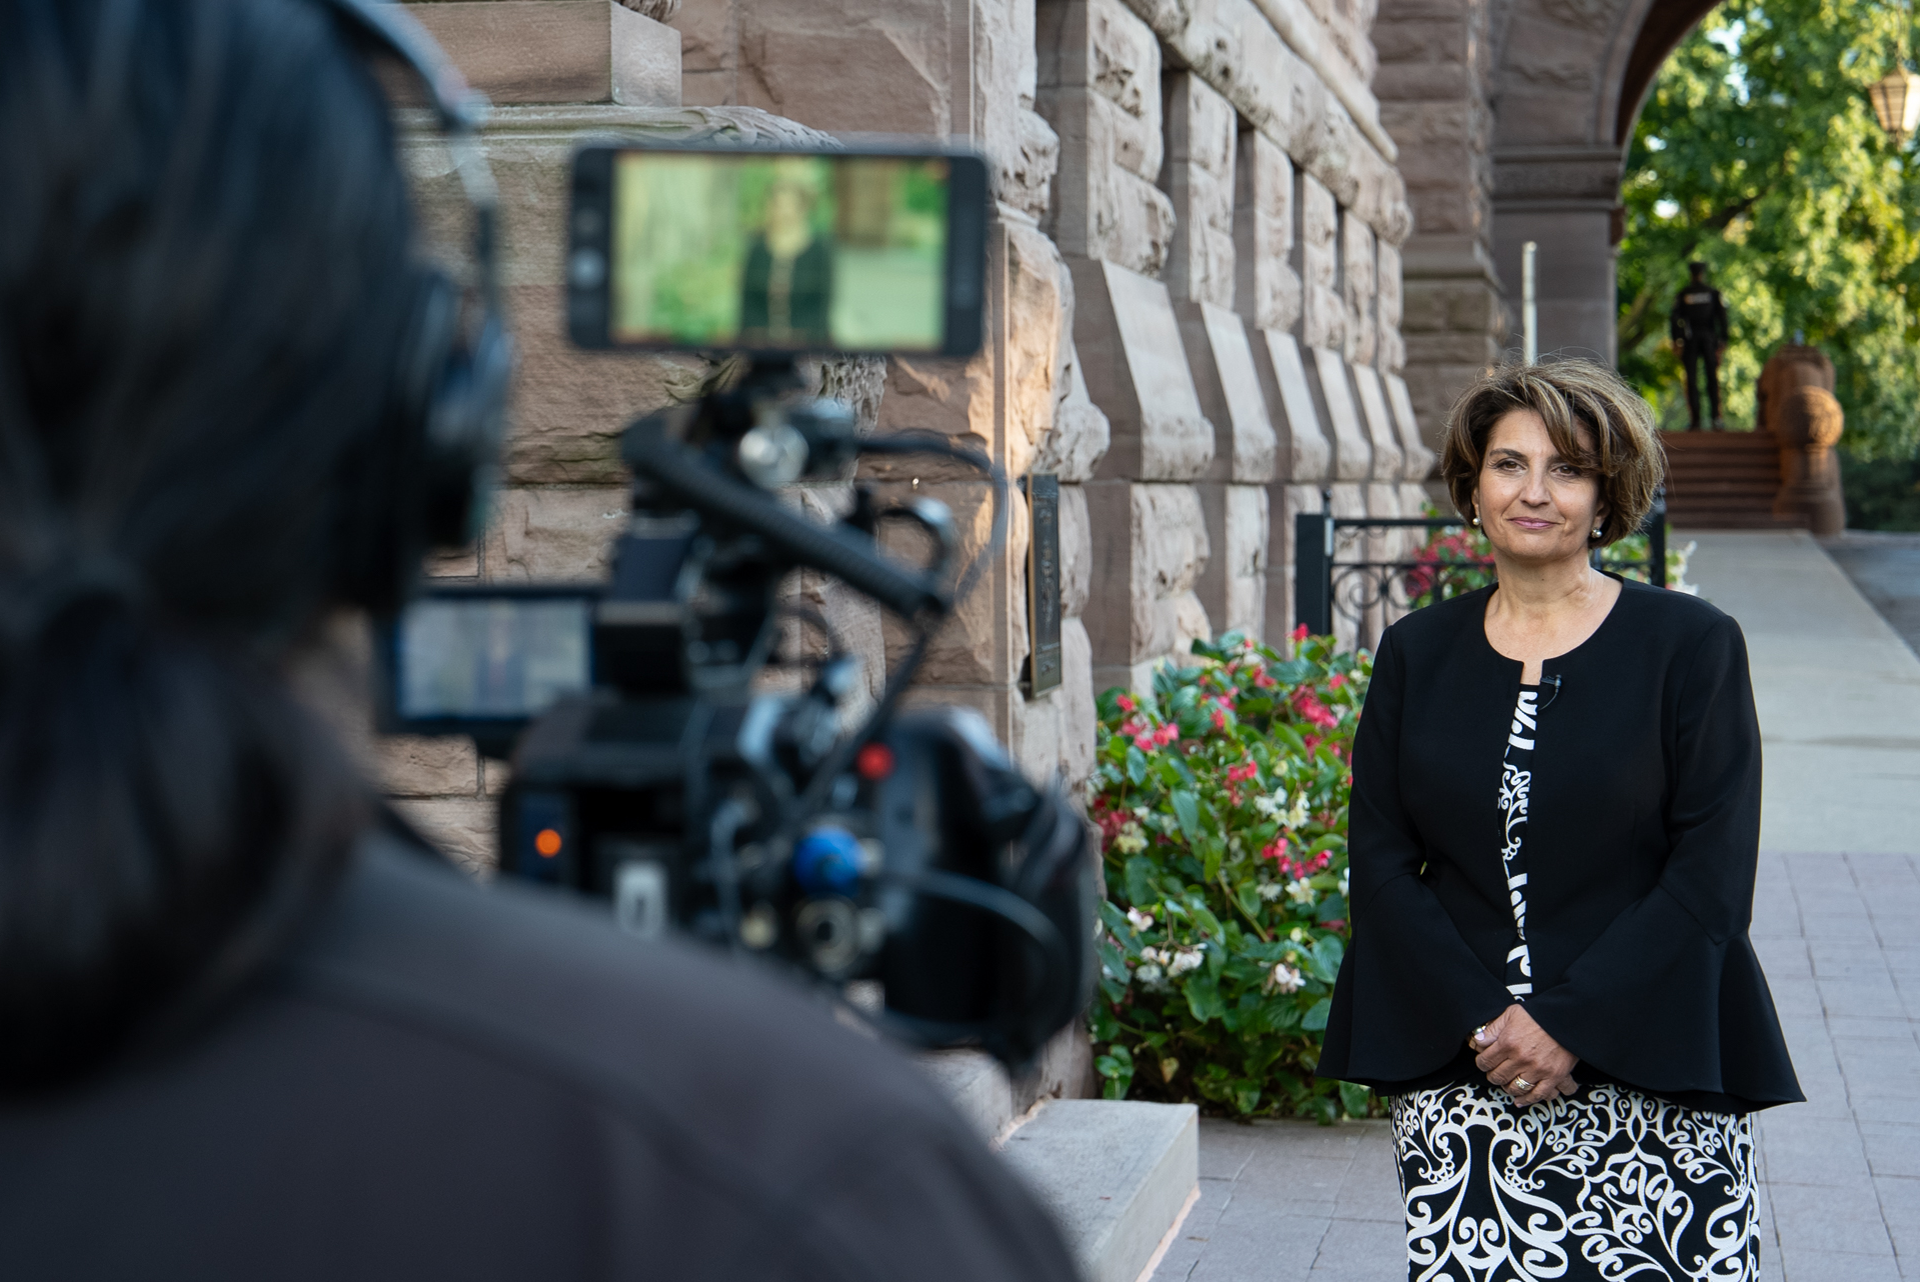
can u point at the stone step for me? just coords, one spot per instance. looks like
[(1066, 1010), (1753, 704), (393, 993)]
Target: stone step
[(1115, 1174), (1118, 1175)]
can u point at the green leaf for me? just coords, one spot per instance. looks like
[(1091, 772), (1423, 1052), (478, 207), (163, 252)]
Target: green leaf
[(1136, 765), (1140, 872), (1316, 1017), (1326, 955), (1355, 1098), (1203, 998), (1186, 808), (1246, 1094)]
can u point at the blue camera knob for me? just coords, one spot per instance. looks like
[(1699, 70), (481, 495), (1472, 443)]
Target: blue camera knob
[(827, 861)]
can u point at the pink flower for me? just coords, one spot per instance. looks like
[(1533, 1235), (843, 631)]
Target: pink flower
[(1245, 770), (1312, 741), (1335, 923), (1167, 733), (1264, 682), (1276, 850), (1336, 681), (1310, 707), (1125, 704), (1219, 719), (1300, 633)]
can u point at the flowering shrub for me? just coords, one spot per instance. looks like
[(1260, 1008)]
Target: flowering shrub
[(1456, 561), (1222, 806)]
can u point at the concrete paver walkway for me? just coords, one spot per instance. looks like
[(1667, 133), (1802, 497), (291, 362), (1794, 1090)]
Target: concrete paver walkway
[(1836, 924)]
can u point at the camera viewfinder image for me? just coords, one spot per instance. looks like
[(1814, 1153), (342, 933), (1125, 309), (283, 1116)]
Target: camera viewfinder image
[(801, 253)]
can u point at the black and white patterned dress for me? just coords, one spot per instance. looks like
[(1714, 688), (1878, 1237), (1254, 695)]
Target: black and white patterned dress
[(1611, 1183)]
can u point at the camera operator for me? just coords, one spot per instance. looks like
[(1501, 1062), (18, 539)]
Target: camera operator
[(246, 1028)]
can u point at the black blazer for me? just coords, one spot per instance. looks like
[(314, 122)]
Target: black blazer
[(1643, 830)]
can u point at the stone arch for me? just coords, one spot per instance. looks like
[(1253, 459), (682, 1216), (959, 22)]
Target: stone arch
[(1570, 78)]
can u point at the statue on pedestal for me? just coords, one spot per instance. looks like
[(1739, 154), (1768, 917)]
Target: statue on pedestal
[(1698, 324)]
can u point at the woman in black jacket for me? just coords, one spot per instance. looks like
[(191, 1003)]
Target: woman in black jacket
[(1554, 826)]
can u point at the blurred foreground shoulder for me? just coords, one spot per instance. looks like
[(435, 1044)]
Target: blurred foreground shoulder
[(495, 1084)]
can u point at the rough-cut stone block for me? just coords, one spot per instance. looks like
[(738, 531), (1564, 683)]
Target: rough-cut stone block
[(1076, 552), (1334, 406), (1266, 288), (1201, 135), (1099, 45), (1303, 454), (1103, 206), (1244, 446), (1077, 715), (984, 640), (1420, 457), (423, 766), (1316, 259), (1389, 457), (518, 51), (1284, 503), (1389, 297), (1129, 345), (465, 828), (1233, 588), (802, 60), (1080, 435), (544, 535), (1149, 548), (1039, 301), (1358, 288), (947, 395)]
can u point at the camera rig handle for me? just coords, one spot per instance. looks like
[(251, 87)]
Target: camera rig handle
[(836, 550)]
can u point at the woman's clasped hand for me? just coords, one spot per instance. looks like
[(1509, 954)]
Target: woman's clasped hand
[(1520, 1058)]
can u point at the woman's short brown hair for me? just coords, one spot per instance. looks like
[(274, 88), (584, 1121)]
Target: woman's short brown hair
[(1567, 395)]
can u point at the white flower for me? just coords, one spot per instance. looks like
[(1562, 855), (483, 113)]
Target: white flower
[(1139, 920), (1301, 889), (1270, 806), (1271, 890), (1148, 974), (1297, 817), (1185, 960), (1343, 883), (1286, 978), (1130, 839), (1297, 935)]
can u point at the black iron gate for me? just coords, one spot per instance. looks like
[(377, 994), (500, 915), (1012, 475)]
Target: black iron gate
[(1325, 583)]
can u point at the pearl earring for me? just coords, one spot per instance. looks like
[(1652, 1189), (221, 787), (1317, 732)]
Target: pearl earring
[(1597, 533), (1476, 520)]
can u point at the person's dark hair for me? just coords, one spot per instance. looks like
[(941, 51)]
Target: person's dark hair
[(206, 273), (1568, 394)]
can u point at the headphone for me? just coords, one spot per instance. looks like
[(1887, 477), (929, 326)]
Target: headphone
[(454, 371)]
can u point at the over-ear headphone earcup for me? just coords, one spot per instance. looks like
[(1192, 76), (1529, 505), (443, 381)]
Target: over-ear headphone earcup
[(463, 432)]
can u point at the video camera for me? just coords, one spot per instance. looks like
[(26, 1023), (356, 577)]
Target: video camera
[(647, 767)]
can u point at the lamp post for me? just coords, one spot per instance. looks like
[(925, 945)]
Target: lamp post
[(1896, 103)]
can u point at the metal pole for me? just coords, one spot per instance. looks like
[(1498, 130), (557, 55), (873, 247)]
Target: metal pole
[(1529, 319), (1313, 571)]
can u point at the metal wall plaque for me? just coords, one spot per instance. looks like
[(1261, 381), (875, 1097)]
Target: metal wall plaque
[(1043, 583)]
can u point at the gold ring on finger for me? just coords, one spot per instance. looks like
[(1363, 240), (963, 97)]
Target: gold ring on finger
[(1519, 1086)]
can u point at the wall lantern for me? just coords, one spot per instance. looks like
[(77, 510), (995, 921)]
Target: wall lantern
[(1896, 102)]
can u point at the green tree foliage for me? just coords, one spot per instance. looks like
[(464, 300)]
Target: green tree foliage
[(1758, 153)]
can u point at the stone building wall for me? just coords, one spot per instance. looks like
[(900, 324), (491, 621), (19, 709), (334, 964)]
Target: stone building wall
[(1195, 320)]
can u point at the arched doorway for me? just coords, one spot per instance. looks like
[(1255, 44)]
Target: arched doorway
[(1571, 77)]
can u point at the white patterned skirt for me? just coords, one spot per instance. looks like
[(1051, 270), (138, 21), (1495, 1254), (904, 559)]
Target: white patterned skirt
[(1610, 1184)]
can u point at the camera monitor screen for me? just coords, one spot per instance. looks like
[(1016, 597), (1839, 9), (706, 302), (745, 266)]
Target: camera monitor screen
[(777, 251), (489, 657)]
